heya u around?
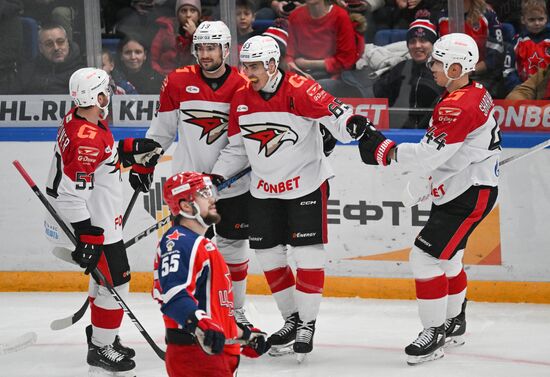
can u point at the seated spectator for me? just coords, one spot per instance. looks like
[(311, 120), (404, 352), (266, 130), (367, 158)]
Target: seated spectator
[(50, 71), (531, 50), (536, 86), (172, 44), (245, 18), (139, 19), (481, 23), (322, 43), (12, 35), (133, 66), (411, 83), (121, 86), (508, 11)]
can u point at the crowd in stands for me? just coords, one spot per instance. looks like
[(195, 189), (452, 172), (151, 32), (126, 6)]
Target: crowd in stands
[(331, 41)]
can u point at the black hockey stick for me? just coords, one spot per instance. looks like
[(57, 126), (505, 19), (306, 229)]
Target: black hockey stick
[(63, 323), (96, 273), (65, 254)]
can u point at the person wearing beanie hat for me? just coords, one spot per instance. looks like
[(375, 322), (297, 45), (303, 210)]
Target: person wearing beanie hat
[(410, 83), (422, 28), (171, 47)]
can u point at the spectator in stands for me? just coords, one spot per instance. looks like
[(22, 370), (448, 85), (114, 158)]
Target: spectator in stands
[(365, 8), (246, 10), (171, 47), (536, 86), (10, 53), (508, 11), (398, 14), (531, 50), (278, 9), (121, 85), (50, 71), (322, 43), (134, 67), (481, 23), (139, 20), (411, 83)]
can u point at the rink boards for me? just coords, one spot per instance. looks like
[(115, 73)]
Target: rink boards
[(370, 231)]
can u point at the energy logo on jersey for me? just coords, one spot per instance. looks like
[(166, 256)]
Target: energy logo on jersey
[(213, 123), (270, 136)]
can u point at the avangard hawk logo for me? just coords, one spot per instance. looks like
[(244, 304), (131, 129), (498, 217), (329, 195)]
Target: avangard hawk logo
[(213, 123), (271, 136)]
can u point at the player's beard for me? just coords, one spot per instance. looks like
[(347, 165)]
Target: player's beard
[(213, 68), (212, 218)]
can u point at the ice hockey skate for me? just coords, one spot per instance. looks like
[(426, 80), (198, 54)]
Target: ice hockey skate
[(304, 339), (455, 328), (427, 347), (282, 340), (240, 317), (117, 345), (108, 362)]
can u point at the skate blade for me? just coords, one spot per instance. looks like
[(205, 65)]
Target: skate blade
[(300, 357), (455, 341), (100, 372), (277, 351), (414, 360)]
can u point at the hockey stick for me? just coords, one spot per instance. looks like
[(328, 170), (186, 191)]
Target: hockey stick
[(19, 343), (410, 199), (65, 254), (96, 273)]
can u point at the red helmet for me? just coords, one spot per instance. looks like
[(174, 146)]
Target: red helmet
[(183, 186)]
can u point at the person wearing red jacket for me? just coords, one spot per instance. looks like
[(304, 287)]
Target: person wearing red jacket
[(171, 46), (321, 40)]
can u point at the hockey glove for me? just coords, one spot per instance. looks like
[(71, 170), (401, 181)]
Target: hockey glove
[(141, 177), (215, 178), (256, 341), (145, 152), (329, 142), (208, 333), (356, 125), (374, 147), (89, 247)]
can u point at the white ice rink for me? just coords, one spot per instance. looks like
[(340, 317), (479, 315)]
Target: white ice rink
[(354, 337)]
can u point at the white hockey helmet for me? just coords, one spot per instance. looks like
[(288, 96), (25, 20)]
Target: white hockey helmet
[(212, 32), (456, 48), (260, 48), (86, 84)]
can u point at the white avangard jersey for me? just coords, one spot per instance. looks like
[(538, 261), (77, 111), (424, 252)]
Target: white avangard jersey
[(280, 137), (198, 115), (461, 147), (84, 181)]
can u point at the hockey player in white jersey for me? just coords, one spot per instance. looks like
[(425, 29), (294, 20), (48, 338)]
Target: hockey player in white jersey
[(274, 125), (194, 104), (85, 187), (460, 152)]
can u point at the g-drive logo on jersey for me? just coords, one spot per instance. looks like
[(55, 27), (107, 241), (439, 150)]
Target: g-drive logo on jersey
[(270, 136), (213, 123)]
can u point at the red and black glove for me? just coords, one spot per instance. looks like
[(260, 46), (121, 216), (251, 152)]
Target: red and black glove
[(208, 333), (89, 247), (141, 177), (374, 147), (256, 341), (142, 151)]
